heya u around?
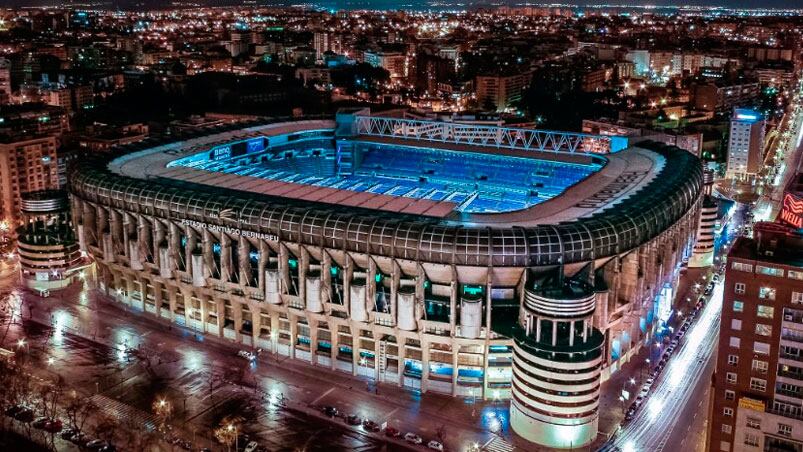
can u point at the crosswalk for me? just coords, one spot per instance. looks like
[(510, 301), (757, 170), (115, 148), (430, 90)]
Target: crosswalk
[(497, 444), (123, 413)]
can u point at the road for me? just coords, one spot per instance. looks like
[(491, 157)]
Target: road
[(82, 337)]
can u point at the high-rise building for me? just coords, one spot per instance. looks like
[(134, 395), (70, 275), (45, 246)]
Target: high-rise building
[(501, 91), (703, 254), (26, 164), (757, 396), (745, 145)]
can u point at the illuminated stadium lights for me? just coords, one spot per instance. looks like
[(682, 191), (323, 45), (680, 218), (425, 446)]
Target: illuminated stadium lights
[(408, 286)]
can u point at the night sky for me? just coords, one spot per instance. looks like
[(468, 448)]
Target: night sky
[(403, 4)]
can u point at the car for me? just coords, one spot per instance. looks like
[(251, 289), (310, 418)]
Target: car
[(251, 447), (39, 423), (411, 437), (392, 432), (247, 355), (330, 411), (353, 419), (649, 381), (435, 445), (715, 278), (639, 400), (108, 448), (53, 426), (644, 391), (674, 343), (80, 439), (67, 434), (24, 415), (630, 414), (13, 410), (370, 425), (96, 444)]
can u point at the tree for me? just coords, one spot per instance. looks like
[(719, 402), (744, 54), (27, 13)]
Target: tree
[(78, 410), (106, 427)]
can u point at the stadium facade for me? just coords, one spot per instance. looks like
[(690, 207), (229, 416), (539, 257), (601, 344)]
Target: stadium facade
[(469, 260)]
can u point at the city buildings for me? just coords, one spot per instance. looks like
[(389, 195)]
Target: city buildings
[(50, 258), (26, 164), (745, 144), (757, 396), (500, 92)]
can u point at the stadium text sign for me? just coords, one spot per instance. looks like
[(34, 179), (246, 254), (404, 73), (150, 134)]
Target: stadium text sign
[(230, 230)]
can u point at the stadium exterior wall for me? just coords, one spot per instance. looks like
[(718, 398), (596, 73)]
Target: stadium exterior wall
[(171, 249)]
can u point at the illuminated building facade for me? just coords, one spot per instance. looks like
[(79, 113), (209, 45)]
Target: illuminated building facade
[(745, 144), (379, 247)]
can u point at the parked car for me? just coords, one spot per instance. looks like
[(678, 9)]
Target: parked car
[(251, 447), (353, 419), (411, 437), (630, 414), (39, 423), (53, 426), (80, 439), (644, 391), (370, 425), (96, 444), (108, 448), (649, 381), (67, 434), (435, 445), (330, 411), (392, 432), (24, 415), (13, 410), (247, 355)]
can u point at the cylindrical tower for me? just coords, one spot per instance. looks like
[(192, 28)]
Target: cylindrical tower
[(557, 360), (50, 257)]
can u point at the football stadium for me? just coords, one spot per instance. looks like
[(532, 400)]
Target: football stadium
[(472, 260)]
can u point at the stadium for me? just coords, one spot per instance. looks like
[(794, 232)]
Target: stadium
[(471, 260)]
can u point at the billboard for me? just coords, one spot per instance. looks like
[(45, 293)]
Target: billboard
[(792, 210)]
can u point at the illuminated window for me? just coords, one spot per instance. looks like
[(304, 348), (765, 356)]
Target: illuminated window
[(772, 271), (758, 384), (750, 440), (763, 330), (730, 378), (760, 366), (738, 306), (765, 311), (735, 342), (736, 324), (739, 288), (727, 429), (784, 429), (794, 274), (761, 347), (766, 293), (754, 423), (797, 297), (742, 267)]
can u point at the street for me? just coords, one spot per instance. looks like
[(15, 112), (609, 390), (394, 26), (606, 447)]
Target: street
[(84, 339)]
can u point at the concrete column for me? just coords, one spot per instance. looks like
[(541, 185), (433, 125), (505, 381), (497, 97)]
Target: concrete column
[(455, 355), (334, 332), (424, 365), (225, 258), (313, 342), (401, 352), (355, 347), (293, 334)]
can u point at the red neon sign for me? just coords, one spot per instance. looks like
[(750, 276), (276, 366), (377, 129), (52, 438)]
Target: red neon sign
[(792, 211)]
